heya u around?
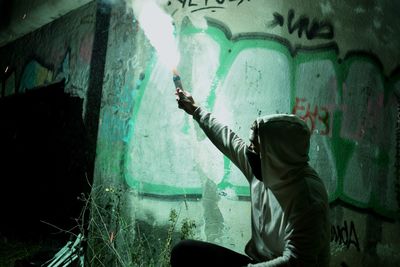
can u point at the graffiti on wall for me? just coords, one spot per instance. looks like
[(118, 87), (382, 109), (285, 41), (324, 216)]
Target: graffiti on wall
[(345, 234), (65, 54), (8, 82), (34, 75), (200, 5), (316, 85), (318, 118), (313, 29), (64, 63), (124, 93)]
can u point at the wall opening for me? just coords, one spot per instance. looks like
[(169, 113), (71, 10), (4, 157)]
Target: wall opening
[(44, 160)]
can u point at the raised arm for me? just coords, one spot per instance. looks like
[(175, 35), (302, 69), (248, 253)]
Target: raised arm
[(228, 142)]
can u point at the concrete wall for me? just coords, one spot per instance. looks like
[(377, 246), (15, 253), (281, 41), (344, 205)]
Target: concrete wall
[(58, 50), (332, 63)]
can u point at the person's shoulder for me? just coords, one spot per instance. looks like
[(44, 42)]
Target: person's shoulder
[(309, 194), (316, 189)]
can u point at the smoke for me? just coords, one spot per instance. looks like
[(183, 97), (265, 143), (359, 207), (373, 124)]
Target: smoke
[(158, 27)]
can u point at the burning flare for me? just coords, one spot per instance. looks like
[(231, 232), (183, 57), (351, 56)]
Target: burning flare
[(159, 29), (177, 79)]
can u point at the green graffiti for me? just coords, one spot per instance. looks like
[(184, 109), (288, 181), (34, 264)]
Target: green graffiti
[(346, 104), (34, 75)]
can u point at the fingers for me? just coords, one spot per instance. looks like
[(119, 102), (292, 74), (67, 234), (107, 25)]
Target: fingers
[(178, 91), (177, 97), (181, 103), (181, 95), (180, 98), (184, 100)]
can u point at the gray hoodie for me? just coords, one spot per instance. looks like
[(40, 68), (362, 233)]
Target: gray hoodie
[(289, 204)]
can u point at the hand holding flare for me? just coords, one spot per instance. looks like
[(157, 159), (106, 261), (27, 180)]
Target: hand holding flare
[(184, 99)]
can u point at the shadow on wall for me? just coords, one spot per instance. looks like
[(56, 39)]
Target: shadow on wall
[(43, 162)]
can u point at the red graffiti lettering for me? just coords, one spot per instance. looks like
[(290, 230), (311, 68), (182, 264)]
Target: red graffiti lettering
[(318, 118)]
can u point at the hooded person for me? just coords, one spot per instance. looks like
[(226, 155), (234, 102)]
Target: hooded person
[(289, 203)]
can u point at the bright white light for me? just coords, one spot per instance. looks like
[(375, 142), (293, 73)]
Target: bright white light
[(158, 28)]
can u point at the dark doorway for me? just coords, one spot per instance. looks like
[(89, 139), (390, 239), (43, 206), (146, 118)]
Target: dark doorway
[(43, 159)]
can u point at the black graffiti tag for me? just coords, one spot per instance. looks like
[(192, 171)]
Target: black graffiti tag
[(198, 5), (346, 235), (313, 29)]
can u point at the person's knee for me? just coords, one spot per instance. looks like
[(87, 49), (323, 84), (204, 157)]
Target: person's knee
[(183, 247), (180, 252)]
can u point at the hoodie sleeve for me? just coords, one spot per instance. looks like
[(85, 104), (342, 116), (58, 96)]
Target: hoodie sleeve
[(277, 262), (229, 143)]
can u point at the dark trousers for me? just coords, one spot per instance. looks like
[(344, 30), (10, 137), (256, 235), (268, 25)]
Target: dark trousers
[(193, 253)]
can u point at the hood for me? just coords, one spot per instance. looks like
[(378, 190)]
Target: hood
[(284, 144)]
